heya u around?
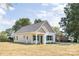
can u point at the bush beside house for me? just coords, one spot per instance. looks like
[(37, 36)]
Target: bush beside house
[(3, 37)]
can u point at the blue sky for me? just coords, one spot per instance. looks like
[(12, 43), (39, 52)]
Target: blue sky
[(50, 12)]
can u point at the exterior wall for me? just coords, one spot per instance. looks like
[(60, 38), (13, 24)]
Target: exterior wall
[(24, 38), (20, 39), (49, 41)]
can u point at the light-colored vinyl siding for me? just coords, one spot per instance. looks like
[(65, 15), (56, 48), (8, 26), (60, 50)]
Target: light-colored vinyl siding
[(23, 38), (47, 26), (41, 30)]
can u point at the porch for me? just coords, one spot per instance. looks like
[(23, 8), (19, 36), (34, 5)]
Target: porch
[(43, 38)]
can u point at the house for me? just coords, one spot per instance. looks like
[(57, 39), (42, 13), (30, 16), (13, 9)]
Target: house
[(39, 33)]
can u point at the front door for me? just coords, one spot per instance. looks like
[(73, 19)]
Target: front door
[(41, 39)]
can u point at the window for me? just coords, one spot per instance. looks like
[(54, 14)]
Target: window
[(49, 37), (16, 37), (34, 37)]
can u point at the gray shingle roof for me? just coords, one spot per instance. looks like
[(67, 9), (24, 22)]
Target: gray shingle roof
[(30, 28)]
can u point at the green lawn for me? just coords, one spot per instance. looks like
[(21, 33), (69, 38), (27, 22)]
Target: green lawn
[(7, 48)]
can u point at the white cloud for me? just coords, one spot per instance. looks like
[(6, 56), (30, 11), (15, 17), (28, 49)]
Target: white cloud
[(11, 8), (53, 15), (7, 22), (59, 8), (44, 4), (2, 12), (42, 14), (4, 7)]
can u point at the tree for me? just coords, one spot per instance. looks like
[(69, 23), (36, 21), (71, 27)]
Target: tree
[(3, 36), (58, 32), (8, 31), (70, 23), (37, 21), (20, 23)]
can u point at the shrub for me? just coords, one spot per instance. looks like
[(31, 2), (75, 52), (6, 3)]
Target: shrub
[(3, 37)]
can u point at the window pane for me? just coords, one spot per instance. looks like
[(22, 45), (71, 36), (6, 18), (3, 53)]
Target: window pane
[(48, 37)]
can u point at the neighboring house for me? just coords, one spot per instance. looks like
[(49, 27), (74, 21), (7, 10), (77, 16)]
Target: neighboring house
[(39, 33)]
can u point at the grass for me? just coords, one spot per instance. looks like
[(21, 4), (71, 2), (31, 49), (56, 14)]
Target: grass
[(62, 49)]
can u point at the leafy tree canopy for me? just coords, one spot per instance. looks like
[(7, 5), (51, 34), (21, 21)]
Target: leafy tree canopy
[(37, 21), (20, 23), (70, 23)]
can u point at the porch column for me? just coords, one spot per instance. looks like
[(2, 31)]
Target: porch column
[(40, 39), (36, 39), (54, 37), (44, 39)]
